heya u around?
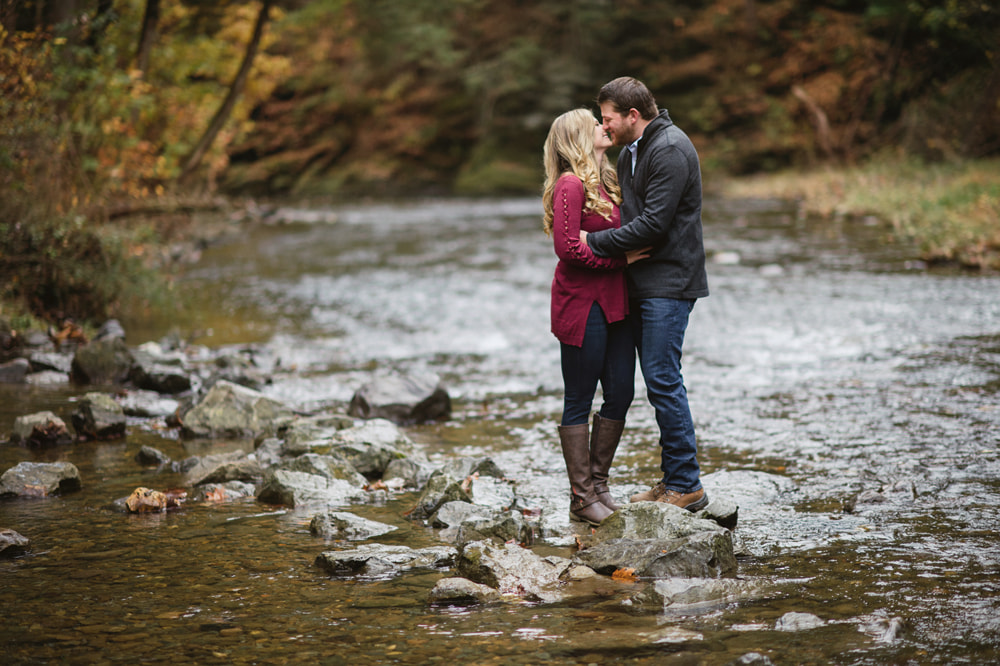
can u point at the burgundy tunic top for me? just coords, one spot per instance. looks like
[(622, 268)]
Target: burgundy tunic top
[(581, 277)]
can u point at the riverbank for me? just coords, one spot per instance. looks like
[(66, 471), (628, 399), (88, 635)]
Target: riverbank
[(950, 211)]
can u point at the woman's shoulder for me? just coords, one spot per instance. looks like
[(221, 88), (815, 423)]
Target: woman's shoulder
[(569, 181)]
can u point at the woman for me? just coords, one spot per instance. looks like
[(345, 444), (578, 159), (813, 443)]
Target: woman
[(589, 307)]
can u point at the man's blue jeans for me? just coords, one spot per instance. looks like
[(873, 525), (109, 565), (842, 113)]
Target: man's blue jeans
[(658, 328), (608, 356)]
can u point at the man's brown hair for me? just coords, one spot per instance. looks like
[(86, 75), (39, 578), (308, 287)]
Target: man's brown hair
[(626, 93)]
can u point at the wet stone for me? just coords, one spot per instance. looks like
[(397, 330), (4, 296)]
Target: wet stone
[(30, 479), (378, 560), (796, 621), (345, 525), (14, 372), (12, 543), (222, 467), (98, 416), (462, 591), (103, 361), (402, 398), (40, 429), (701, 555), (512, 570), (148, 456)]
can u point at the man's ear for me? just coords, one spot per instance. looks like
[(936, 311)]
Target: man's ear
[(633, 115)]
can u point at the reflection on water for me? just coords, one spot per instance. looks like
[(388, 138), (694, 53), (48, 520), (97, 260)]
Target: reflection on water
[(821, 356)]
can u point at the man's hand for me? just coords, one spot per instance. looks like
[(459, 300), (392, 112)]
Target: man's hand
[(583, 236), (633, 256)]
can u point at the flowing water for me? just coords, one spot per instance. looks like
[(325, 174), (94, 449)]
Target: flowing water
[(823, 357)]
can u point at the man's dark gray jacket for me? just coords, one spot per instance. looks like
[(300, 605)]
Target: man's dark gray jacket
[(661, 207)]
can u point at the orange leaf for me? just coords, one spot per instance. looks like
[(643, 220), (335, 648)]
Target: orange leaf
[(625, 575)]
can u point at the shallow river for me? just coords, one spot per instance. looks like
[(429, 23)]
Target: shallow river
[(822, 356)]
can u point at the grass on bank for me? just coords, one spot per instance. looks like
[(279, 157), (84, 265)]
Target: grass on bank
[(951, 210)]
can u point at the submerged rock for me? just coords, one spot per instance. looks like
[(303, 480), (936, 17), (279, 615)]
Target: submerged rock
[(462, 591), (694, 595), (795, 621), (345, 525), (31, 479), (378, 560)]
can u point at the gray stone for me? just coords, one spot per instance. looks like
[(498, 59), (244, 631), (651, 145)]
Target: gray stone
[(650, 520), (700, 555), (103, 361), (12, 544), (110, 330), (695, 595), (300, 488), (147, 404), (453, 514), (47, 378), (378, 560), (795, 621), (440, 489), (466, 466), (157, 374), (332, 466), (14, 372), (222, 467), (491, 492), (513, 570), (404, 399), (31, 479), (507, 526), (311, 429), (98, 416), (41, 361), (462, 591), (226, 492), (151, 457), (412, 472), (344, 525), (230, 410), (720, 510), (371, 446), (40, 429)]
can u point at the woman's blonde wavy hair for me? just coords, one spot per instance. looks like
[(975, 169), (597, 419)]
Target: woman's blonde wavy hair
[(569, 148)]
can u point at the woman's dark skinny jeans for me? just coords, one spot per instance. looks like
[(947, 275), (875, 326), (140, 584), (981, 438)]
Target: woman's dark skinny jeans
[(607, 356)]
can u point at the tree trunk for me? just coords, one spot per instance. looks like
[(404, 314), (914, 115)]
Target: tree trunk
[(150, 30), (235, 90)]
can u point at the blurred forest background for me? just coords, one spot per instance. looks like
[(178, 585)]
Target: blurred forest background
[(113, 110)]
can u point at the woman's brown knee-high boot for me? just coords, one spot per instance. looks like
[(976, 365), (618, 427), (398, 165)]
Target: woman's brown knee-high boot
[(603, 444), (584, 504)]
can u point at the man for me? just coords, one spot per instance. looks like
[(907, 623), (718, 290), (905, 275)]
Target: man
[(660, 179)]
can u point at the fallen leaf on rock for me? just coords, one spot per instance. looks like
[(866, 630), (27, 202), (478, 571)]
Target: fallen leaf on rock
[(378, 485), (625, 575), (215, 495)]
